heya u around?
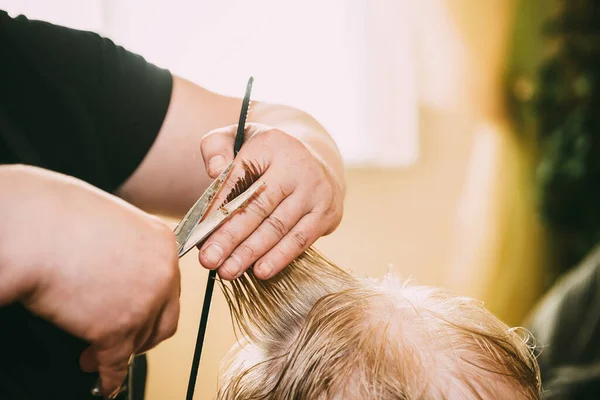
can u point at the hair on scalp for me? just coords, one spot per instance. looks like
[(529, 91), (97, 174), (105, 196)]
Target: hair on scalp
[(314, 331)]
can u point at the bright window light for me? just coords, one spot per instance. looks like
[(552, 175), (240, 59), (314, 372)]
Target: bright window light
[(349, 63)]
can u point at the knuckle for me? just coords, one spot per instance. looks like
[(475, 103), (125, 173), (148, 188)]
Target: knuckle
[(328, 204), (277, 135), (335, 223), (159, 225), (277, 225), (117, 358), (168, 240), (299, 238), (164, 244), (174, 326), (330, 209), (336, 210), (260, 205), (328, 194), (171, 330), (227, 235), (206, 140), (204, 143), (272, 133), (332, 216), (171, 281), (338, 213), (168, 332), (129, 322), (116, 364), (326, 190), (285, 189), (166, 274), (245, 251), (94, 335)]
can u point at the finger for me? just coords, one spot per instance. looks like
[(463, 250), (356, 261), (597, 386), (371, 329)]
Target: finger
[(266, 236), (113, 364), (165, 326), (302, 236), (88, 361), (167, 319), (217, 150), (219, 246)]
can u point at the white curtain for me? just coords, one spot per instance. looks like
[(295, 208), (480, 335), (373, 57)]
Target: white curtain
[(350, 63), (78, 14)]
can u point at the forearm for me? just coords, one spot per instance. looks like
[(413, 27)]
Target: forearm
[(16, 277), (172, 176)]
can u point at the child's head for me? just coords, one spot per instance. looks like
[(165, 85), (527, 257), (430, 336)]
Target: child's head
[(315, 332)]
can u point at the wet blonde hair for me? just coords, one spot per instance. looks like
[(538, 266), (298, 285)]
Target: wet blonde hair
[(314, 331)]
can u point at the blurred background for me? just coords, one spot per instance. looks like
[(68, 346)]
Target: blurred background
[(469, 158)]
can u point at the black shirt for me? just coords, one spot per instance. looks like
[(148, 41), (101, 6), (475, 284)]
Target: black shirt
[(76, 103)]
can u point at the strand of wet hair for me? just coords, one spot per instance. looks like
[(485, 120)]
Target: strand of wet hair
[(256, 305)]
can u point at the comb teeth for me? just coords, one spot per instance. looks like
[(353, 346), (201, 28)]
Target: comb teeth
[(251, 174)]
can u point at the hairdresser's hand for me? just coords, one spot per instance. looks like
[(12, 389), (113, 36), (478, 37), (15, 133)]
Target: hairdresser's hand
[(99, 268), (302, 201)]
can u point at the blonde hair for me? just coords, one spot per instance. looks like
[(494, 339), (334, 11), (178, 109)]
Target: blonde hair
[(313, 331)]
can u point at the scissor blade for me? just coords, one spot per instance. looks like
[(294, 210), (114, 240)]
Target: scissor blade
[(212, 222), (195, 214)]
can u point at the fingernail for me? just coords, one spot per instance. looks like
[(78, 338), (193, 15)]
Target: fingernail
[(264, 269), (213, 254), (232, 266), (216, 164)]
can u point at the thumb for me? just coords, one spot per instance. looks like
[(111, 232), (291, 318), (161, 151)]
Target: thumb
[(217, 149), (88, 361)]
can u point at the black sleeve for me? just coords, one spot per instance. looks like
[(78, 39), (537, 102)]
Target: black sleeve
[(76, 103)]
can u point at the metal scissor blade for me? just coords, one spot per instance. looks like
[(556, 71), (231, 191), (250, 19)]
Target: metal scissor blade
[(195, 214), (212, 222)]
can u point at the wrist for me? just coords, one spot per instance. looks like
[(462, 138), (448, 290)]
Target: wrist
[(308, 131), (331, 161)]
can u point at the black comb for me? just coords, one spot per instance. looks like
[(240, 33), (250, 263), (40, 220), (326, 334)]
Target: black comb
[(210, 284)]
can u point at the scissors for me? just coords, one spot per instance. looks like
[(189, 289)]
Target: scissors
[(190, 232)]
